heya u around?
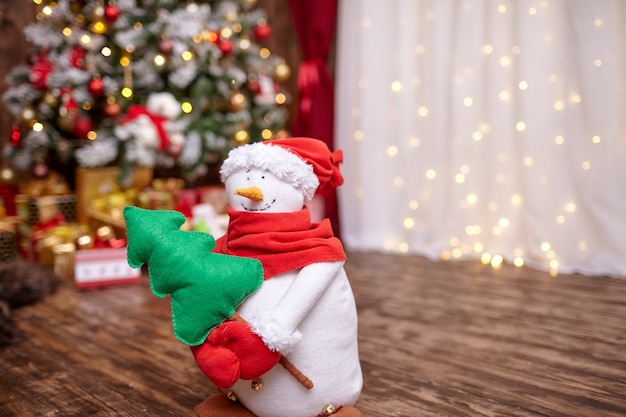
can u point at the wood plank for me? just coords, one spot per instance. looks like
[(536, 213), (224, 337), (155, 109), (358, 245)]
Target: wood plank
[(436, 338)]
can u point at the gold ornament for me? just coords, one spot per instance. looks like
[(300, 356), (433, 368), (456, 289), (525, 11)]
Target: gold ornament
[(249, 4), (328, 410), (241, 137), (50, 99), (66, 122), (282, 72), (28, 116), (257, 384), (7, 176), (237, 102), (232, 396)]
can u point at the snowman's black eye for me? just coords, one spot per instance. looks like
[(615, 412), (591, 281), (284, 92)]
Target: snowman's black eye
[(262, 177)]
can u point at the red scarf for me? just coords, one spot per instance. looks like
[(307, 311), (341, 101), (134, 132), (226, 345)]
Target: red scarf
[(281, 241)]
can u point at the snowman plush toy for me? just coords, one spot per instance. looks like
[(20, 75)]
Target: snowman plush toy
[(304, 310)]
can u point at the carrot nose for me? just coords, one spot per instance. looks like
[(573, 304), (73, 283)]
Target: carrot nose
[(253, 193)]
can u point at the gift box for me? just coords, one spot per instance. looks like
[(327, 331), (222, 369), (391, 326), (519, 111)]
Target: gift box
[(103, 267), (95, 183), (8, 240), (34, 210)]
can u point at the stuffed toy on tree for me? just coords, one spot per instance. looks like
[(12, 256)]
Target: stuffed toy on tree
[(272, 291)]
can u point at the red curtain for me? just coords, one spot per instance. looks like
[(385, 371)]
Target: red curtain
[(314, 21)]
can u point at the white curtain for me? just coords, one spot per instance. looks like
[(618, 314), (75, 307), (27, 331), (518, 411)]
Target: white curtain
[(485, 129)]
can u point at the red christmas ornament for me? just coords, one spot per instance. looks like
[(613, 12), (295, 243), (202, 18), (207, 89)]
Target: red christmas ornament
[(166, 46), (82, 127), (96, 87), (254, 87), (262, 31), (112, 110), (111, 13), (16, 135), (39, 72), (226, 47), (77, 57)]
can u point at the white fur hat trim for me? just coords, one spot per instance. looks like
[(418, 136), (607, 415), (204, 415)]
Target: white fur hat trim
[(266, 325), (281, 162)]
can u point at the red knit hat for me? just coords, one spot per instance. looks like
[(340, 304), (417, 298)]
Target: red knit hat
[(305, 163)]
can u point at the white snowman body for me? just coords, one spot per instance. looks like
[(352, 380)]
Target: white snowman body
[(314, 304)]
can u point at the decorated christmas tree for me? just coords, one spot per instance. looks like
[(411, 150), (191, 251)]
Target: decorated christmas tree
[(157, 83)]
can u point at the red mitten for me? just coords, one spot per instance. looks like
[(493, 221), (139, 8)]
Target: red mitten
[(255, 357), (219, 364)]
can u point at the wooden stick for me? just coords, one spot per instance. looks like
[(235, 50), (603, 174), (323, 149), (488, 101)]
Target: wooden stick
[(286, 363)]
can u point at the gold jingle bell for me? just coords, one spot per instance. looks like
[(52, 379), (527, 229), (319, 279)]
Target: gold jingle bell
[(328, 410), (257, 384), (232, 396)]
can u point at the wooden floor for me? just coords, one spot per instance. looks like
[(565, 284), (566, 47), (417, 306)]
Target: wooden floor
[(436, 339)]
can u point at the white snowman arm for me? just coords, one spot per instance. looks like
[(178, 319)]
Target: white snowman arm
[(279, 327)]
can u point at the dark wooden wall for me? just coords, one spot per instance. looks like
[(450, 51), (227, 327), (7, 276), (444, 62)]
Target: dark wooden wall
[(16, 14)]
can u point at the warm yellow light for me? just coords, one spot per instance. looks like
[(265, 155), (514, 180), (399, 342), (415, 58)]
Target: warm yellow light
[(478, 247), (358, 135), (403, 247), (545, 246), (597, 63), (396, 86), (520, 126), (124, 61), (502, 9), (106, 51), (505, 61), (422, 111), (37, 127), (266, 134), (414, 204), (516, 199), (281, 98), (226, 32), (485, 258), (85, 39), (518, 261), (468, 101), (264, 53), (392, 151), (477, 136), (595, 139), (487, 49), (398, 182), (459, 178), (244, 44), (558, 105), (560, 219), (586, 165), (504, 95), (127, 92), (570, 207), (559, 140), (67, 31), (496, 261), (457, 252), (472, 198), (504, 222), (523, 85), (431, 174), (159, 60), (92, 135), (409, 223), (186, 107), (99, 27), (186, 55)]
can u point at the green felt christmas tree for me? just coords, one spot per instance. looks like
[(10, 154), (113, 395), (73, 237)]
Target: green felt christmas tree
[(205, 287)]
